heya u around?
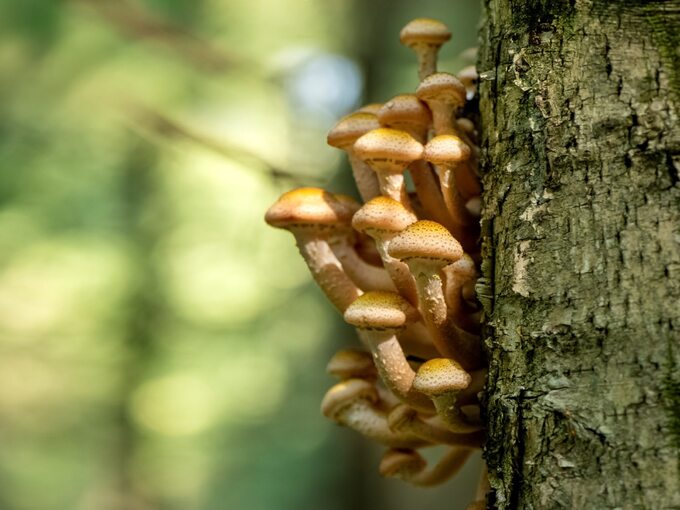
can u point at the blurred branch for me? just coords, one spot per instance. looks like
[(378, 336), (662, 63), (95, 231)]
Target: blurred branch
[(138, 22), (165, 127)]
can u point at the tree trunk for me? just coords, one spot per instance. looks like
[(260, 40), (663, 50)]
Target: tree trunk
[(581, 148)]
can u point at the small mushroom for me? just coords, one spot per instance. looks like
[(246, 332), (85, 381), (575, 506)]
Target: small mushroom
[(408, 465), (351, 364), (389, 152), (343, 135), (307, 213), (445, 95), (468, 77), (452, 155), (378, 317), (425, 36), (353, 404), (443, 379)]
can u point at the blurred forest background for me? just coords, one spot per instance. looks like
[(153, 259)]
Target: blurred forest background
[(160, 346)]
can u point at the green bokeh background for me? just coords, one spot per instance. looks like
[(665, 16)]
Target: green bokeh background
[(160, 347)]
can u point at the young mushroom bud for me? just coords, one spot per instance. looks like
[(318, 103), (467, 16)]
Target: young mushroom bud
[(389, 152), (443, 380), (353, 403), (378, 317), (425, 36), (409, 466), (343, 135)]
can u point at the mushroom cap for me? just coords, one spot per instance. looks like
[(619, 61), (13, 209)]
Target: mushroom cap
[(390, 145), (370, 108), (382, 214), (427, 240), (405, 111), (349, 363), (380, 311), (442, 87), (441, 375), (306, 207), (446, 150), (345, 393), (401, 463), (425, 31), (468, 76), (351, 127)]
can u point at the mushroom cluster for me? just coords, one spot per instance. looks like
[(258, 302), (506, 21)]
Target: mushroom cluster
[(402, 268)]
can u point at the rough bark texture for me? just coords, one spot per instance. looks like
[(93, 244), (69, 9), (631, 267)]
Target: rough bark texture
[(579, 110)]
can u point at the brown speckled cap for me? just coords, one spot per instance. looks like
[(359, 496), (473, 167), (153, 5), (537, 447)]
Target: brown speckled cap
[(441, 375), (310, 206), (382, 214), (446, 149), (386, 144), (406, 112), (442, 87), (380, 310), (424, 31), (426, 239), (351, 127), (344, 393)]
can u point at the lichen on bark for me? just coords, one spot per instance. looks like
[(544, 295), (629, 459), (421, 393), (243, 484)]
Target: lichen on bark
[(581, 235)]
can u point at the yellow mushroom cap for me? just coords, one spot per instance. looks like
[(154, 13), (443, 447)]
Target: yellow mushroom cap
[(390, 145), (443, 87), (380, 310), (426, 239), (311, 206), (348, 363), (401, 463), (446, 149), (382, 214), (351, 127), (345, 393), (424, 31), (404, 110), (441, 375)]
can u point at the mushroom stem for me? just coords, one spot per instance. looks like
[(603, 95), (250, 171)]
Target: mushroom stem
[(409, 466), (460, 275), (364, 176), (365, 275), (406, 420), (430, 194)]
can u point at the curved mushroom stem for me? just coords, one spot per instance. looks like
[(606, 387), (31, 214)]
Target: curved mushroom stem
[(365, 275), (415, 473), (416, 341), (360, 412), (405, 420), (482, 489), (458, 275), (394, 368), (364, 176), (429, 193), (327, 271)]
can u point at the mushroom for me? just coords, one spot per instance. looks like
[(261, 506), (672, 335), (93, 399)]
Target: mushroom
[(468, 77), (343, 135), (389, 152), (378, 317), (404, 419), (382, 218), (445, 95), (351, 364), (353, 404), (425, 36), (427, 247), (408, 113), (309, 214), (443, 380), (408, 465), (460, 278)]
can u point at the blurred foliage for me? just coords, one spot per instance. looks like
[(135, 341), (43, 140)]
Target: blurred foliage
[(160, 348)]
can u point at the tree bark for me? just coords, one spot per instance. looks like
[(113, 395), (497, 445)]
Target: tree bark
[(581, 150)]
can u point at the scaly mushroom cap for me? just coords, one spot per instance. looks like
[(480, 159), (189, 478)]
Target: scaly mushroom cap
[(380, 310), (388, 145), (446, 150), (442, 87), (311, 207), (401, 463), (424, 31), (345, 393), (441, 375), (382, 214), (351, 363), (406, 112), (351, 127), (426, 239)]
